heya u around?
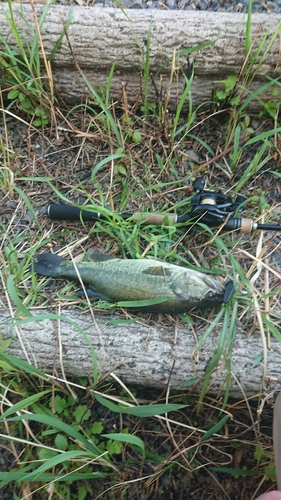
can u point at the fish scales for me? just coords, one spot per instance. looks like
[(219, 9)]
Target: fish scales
[(123, 280)]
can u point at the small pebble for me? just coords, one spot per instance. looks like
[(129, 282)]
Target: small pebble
[(127, 4), (137, 5), (183, 3), (172, 4), (239, 6), (202, 5)]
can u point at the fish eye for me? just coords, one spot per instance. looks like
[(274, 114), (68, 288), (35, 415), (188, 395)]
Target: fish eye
[(209, 295)]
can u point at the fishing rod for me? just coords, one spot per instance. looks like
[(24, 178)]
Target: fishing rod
[(212, 208)]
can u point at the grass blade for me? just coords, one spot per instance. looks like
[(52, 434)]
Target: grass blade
[(139, 411), (56, 423)]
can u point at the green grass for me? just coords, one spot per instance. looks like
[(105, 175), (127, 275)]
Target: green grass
[(129, 159), (29, 87)]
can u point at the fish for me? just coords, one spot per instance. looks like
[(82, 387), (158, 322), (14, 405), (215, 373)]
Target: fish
[(168, 288)]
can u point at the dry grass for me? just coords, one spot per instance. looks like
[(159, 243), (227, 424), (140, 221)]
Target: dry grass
[(149, 177), (131, 162)]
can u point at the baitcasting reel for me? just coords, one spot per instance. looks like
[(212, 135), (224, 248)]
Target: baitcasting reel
[(215, 207)]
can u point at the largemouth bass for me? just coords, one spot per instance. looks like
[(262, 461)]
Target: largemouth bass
[(172, 288)]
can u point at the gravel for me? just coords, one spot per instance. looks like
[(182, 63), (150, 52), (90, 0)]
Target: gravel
[(261, 6)]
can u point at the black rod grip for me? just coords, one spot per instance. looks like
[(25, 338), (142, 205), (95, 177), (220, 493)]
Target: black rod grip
[(67, 212)]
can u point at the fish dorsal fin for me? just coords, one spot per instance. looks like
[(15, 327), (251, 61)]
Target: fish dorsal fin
[(157, 271), (100, 257)]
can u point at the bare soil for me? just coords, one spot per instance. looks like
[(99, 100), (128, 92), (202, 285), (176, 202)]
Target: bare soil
[(178, 465)]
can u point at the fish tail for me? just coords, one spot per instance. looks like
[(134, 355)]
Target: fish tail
[(48, 264)]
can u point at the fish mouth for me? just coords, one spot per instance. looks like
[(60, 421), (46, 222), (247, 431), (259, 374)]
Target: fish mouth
[(215, 285)]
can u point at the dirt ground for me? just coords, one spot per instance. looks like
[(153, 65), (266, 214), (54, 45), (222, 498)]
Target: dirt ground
[(185, 469)]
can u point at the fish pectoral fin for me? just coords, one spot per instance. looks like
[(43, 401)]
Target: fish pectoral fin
[(157, 271), (92, 294), (100, 257)]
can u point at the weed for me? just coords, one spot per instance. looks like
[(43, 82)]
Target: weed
[(70, 445), (232, 92), (122, 158), (27, 87)]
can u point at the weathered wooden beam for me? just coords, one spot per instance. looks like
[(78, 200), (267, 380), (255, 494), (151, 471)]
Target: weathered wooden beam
[(101, 37), (146, 352)]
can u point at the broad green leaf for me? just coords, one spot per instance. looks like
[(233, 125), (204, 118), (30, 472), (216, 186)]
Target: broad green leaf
[(113, 447), (4, 344), (122, 170), (81, 413), (97, 428), (59, 404), (61, 442), (139, 411), (13, 94), (127, 438), (136, 137), (46, 454)]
